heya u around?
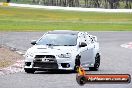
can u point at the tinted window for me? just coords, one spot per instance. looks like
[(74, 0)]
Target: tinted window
[(58, 40)]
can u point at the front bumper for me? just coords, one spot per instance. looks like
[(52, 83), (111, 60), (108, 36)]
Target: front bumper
[(57, 63)]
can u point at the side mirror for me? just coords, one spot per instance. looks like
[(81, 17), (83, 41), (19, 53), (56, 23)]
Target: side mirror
[(83, 44), (33, 42)]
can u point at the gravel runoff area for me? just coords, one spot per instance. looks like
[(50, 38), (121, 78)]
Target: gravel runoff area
[(70, 8), (10, 60)]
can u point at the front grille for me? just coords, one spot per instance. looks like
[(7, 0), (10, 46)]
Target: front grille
[(45, 62), (46, 65), (44, 56)]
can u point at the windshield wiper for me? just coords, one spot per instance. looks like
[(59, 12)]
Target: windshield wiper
[(68, 45), (50, 44), (58, 45)]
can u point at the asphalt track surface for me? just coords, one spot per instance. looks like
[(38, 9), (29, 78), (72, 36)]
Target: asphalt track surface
[(114, 59)]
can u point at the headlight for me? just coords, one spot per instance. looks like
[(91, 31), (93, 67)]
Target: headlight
[(29, 55), (67, 55)]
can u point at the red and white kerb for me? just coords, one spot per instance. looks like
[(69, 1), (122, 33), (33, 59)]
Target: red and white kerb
[(127, 45)]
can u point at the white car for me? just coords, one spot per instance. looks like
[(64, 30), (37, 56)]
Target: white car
[(63, 50)]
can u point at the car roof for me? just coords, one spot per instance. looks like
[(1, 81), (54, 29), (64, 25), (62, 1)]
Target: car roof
[(63, 32)]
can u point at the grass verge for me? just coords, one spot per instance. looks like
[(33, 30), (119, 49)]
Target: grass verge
[(28, 19)]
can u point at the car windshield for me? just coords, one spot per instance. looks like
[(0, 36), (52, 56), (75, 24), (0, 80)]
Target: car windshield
[(58, 40)]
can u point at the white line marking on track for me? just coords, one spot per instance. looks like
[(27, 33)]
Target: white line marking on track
[(127, 45)]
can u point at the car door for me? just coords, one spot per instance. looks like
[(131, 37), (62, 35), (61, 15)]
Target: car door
[(90, 54), (84, 51), (84, 55), (87, 54)]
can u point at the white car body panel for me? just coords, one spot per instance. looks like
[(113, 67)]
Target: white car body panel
[(87, 53)]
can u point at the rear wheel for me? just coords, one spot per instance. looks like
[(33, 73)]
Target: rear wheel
[(29, 70), (96, 64)]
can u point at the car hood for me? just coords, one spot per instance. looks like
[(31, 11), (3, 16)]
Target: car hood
[(43, 49)]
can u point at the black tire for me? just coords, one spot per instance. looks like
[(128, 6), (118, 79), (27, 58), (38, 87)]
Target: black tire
[(29, 70), (77, 63), (96, 64)]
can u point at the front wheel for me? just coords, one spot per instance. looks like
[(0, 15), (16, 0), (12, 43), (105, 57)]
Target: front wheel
[(29, 70), (96, 64), (77, 63)]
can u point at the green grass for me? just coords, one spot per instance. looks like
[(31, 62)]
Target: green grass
[(27, 19)]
